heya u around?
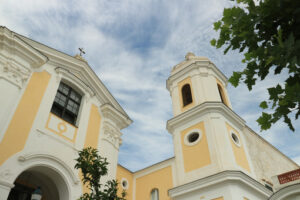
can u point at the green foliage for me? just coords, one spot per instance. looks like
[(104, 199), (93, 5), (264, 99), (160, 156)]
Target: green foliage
[(93, 167), (268, 34)]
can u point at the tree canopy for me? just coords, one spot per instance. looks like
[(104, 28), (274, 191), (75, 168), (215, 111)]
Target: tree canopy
[(268, 33), (93, 167)]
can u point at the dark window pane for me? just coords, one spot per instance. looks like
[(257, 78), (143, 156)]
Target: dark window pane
[(69, 117), (66, 103), (57, 110), (186, 95)]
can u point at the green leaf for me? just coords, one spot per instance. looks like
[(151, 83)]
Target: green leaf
[(263, 105), (217, 25), (235, 78), (213, 42), (264, 121)]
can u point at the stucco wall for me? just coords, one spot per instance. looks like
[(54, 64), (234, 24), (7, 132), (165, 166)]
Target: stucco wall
[(267, 160)]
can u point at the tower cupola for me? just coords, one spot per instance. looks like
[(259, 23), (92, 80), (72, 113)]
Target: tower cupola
[(194, 81)]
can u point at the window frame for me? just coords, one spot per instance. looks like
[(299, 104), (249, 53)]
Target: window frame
[(64, 110), (154, 195), (186, 94)]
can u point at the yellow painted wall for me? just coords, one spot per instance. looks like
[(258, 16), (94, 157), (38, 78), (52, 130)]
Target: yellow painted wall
[(92, 135), (21, 123), (180, 85), (160, 179), (239, 152), (219, 198), (195, 156), (124, 173)]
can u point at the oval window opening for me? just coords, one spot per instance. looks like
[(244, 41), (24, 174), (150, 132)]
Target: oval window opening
[(193, 137), (235, 138), (124, 184)]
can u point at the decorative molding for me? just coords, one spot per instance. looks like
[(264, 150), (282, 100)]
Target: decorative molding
[(64, 72), (202, 64), (287, 191), (6, 174), (204, 109), (114, 115), (112, 134), (42, 157), (6, 184), (222, 177), (15, 74), (11, 44)]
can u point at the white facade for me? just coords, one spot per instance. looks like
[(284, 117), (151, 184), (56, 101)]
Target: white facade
[(47, 156)]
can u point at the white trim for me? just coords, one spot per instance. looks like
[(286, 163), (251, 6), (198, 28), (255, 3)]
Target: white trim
[(207, 67), (225, 176), (285, 192), (38, 157), (186, 140), (204, 109)]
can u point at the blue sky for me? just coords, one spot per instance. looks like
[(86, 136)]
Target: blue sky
[(132, 46)]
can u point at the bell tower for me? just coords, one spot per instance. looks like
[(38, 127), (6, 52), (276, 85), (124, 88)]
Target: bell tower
[(207, 134)]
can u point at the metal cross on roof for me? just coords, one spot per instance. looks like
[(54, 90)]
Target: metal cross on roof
[(81, 51)]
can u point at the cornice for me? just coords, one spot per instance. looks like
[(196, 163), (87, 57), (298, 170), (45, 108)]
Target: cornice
[(201, 110), (15, 45), (286, 191), (115, 115), (221, 177), (204, 66)]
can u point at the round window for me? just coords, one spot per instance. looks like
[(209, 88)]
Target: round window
[(235, 139), (124, 183), (193, 137)]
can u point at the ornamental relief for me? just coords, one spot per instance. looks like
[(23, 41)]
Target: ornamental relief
[(14, 74), (6, 174), (112, 135)]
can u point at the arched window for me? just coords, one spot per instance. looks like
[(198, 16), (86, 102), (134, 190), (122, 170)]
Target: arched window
[(186, 94), (222, 95), (154, 194)]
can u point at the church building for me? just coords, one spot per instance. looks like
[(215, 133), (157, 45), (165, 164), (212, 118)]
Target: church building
[(53, 105)]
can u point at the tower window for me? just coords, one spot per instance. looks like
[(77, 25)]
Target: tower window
[(66, 103), (221, 92), (235, 139), (124, 183), (192, 138), (154, 194), (186, 95)]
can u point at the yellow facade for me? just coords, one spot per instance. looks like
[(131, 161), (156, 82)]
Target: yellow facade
[(219, 198), (24, 116), (196, 156), (160, 179), (92, 135), (239, 151), (93, 131), (121, 174)]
